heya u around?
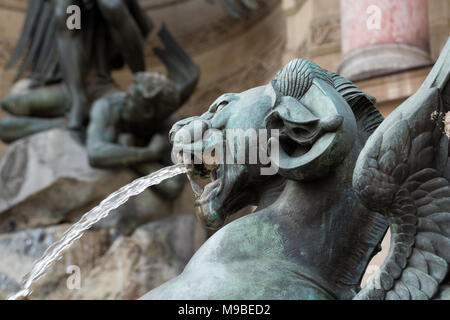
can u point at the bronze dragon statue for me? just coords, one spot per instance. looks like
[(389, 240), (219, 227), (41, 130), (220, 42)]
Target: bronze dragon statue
[(344, 175)]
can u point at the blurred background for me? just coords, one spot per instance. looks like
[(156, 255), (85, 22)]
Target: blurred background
[(338, 35), (386, 47)]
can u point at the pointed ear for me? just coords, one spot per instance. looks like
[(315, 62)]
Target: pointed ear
[(272, 93), (318, 130)]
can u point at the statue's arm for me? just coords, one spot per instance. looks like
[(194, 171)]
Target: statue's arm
[(101, 134)]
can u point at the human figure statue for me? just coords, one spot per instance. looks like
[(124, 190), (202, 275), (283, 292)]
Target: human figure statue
[(112, 33), (122, 21), (44, 108), (131, 129), (75, 65)]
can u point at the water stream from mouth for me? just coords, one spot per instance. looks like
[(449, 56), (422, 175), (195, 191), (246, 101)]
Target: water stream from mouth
[(113, 201)]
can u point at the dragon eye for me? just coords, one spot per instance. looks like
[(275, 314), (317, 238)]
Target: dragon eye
[(221, 102), (221, 105)]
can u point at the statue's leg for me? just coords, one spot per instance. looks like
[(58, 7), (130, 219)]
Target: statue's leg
[(73, 63), (14, 128), (51, 101), (169, 189), (125, 31), (142, 19)]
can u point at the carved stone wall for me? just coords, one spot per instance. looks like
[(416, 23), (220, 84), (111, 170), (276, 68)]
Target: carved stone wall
[(232, 54), (439, 25), (236, 54), (313, 32)]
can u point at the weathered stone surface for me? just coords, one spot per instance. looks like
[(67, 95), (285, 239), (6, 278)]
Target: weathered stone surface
[(46, 179), (20, 249), (123, 269), (45, 182), (8, 286), (153, 254)]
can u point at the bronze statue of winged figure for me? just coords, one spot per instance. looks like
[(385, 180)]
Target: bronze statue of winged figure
[(112, 34)]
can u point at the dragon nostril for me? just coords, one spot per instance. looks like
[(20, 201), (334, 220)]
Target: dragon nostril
[(197, 128)]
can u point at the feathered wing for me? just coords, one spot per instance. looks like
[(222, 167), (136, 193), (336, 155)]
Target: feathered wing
[(402, 172), (181, 69), (35, 51)]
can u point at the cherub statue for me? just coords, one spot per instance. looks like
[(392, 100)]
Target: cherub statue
[(343, 176)]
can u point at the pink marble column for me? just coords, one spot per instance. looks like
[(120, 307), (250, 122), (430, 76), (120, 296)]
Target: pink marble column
[(380, 36)]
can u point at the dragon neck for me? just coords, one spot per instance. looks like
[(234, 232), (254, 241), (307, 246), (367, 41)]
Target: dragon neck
[(325, 217)]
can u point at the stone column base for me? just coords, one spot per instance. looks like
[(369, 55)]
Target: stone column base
[(380, 59)]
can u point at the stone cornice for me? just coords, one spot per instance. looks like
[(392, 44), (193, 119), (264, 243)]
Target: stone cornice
[(224, 29)]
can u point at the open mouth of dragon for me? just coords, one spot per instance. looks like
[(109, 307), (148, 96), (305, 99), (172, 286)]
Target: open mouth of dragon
[(208, 168)]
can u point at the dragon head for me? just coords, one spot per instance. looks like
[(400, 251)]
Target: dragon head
[(299, 121)]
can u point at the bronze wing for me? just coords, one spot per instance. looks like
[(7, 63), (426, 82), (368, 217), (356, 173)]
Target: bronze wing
[(181, 69), (403, 172), (36, 51)]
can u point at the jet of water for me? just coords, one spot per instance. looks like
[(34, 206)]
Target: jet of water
[(113, 201)]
